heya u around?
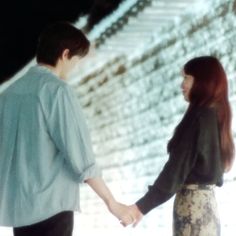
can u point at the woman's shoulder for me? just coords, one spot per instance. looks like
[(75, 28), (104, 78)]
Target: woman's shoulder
[(206, 114), (204, 111)]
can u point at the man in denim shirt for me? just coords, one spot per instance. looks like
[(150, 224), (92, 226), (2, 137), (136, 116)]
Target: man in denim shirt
[(45, 145)]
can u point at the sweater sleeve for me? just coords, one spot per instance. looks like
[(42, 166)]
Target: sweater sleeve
[(181, 160)]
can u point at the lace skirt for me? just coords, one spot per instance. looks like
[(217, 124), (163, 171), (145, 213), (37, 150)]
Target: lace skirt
[(195, 212)]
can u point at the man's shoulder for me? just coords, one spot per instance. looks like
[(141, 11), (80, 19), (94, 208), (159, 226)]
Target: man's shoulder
[(49, 82), (55, 90)]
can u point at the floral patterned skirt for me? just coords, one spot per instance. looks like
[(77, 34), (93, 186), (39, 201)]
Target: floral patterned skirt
[(195, 212)]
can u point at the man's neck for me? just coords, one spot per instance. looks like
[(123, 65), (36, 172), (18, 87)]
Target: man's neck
[(54, 69)]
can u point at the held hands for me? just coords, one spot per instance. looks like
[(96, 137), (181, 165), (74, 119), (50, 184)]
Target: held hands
[(136, 214), (126, 214)]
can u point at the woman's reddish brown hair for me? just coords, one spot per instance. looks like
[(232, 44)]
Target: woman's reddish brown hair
[(210, 89)]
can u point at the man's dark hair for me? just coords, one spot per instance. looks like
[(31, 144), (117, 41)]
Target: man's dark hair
[(57, 37)]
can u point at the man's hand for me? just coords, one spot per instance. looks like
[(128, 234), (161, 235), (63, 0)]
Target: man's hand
[(136, 214), (127, 214), (121, 212)]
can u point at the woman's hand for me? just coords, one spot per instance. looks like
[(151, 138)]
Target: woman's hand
[(136, 213), (125, 214), (121, 212)]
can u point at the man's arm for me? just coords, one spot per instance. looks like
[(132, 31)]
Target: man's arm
[(119, 210)]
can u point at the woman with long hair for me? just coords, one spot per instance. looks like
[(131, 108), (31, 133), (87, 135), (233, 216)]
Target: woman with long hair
[(200, 151)]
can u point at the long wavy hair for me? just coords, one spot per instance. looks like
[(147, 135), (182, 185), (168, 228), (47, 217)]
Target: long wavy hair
[(210, 89)]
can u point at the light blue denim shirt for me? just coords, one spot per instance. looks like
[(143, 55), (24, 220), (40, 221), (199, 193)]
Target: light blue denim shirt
[(45, 149)]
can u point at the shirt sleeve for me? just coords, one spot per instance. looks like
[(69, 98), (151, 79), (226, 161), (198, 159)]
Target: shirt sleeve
[(68, 129), (181, 160)]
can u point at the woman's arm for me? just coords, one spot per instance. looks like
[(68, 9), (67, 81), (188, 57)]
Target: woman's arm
[(181, 160)]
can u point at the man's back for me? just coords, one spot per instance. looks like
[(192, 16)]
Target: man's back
[(34, 170)]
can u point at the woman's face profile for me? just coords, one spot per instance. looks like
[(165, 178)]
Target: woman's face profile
[(186, 85)]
